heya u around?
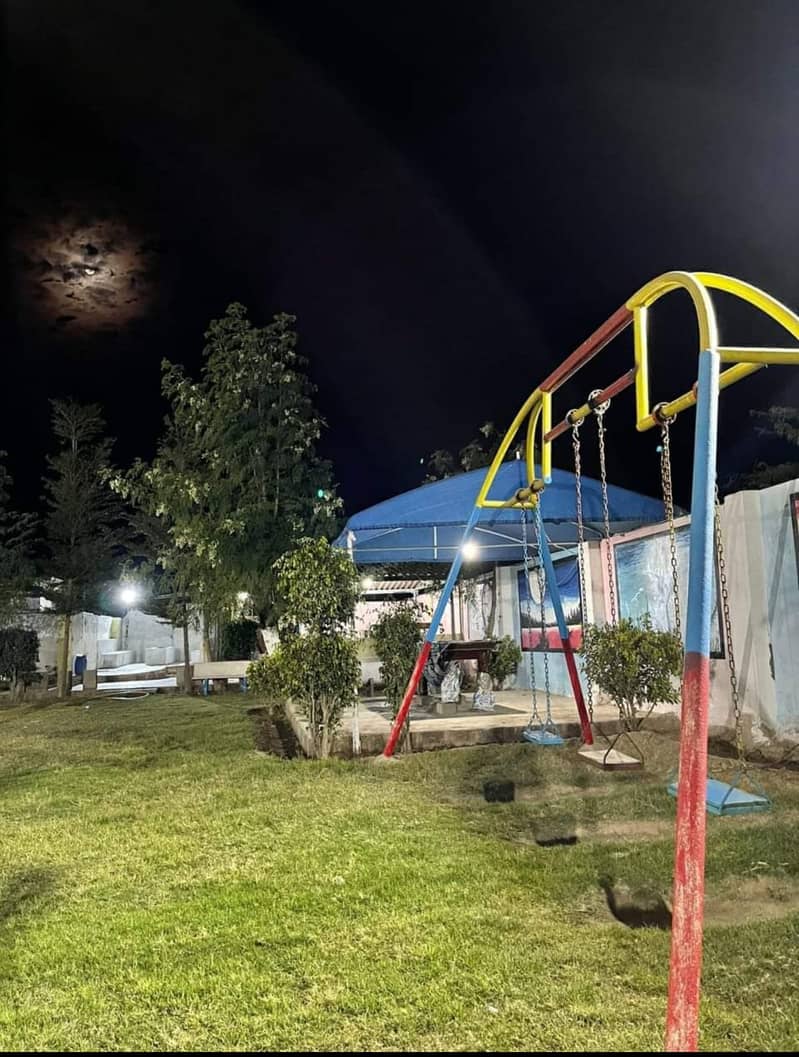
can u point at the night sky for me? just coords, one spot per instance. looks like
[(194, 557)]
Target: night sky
[(449, 196)]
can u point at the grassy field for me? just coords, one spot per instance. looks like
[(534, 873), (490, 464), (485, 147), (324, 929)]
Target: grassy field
[(164, 886)]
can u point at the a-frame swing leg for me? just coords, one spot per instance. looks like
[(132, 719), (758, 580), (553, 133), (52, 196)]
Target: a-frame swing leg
[(563, 630)]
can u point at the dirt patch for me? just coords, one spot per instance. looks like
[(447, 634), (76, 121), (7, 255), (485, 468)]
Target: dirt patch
[(633, 829), (754, 899), (274, 735)]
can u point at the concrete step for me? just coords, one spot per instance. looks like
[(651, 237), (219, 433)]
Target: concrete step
[(116, 658)]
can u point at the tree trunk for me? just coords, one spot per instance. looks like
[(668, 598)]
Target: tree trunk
[(64, 673), (187, 684), (207, 650), (492, 613)]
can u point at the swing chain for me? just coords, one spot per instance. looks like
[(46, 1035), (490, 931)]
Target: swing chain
[(534, 716), (603, 477), (578, 484), (668, 505), (725, 605)]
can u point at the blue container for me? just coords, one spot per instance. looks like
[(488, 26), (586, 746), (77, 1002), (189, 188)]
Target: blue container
[(80, 664)]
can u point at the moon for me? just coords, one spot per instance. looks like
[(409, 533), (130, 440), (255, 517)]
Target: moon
[(82, 272)]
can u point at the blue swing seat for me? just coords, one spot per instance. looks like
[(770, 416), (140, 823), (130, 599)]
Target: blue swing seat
[(541, 736), (721, 798)]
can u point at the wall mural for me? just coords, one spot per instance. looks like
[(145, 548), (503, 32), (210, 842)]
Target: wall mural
[(534, 637), (644, 582)]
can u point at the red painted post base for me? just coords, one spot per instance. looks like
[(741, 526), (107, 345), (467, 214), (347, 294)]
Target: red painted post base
[(410, 690), (689, 861), (574, 677)]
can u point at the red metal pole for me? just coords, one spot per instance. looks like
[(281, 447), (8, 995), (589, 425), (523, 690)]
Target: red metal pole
[(612, 390), (620, 319), (685, 970), (405, 707)]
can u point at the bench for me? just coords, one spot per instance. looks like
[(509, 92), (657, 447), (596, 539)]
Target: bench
[(218, 673)]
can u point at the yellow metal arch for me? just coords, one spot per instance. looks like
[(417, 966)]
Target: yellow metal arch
[(537, 409)]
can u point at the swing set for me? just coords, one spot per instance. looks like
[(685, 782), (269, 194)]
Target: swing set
[(696, 795)]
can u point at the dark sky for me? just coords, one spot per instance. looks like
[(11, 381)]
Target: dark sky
[(449, 196)]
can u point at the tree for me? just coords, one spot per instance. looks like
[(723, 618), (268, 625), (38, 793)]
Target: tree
[(16, 541), (82, 525), (397, 638), (634, 664), (777, 423), (19, 653), (316, 664), (261, 431), (477, 453)]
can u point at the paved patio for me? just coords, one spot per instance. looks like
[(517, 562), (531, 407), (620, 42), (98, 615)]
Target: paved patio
[(466, 727)]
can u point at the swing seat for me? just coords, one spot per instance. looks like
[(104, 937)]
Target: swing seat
[(540, 736), (610, 759), (721, 798)]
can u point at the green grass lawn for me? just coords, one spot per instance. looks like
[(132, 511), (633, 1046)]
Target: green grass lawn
[(164, 886)]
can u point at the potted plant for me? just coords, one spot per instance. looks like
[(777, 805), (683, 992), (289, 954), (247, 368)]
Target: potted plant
[(635, 665)]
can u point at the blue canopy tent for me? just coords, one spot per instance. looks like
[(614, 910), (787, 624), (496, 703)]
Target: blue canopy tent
[(424, 526)]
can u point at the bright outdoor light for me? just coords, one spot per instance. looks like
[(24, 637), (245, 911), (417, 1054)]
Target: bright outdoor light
[(128, 595), (470, 551)]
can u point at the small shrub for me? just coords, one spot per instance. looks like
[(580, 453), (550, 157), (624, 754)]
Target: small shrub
[(19, 655), (239, 640), (505, 661), (634, 664), (316, 664), (397, 638)]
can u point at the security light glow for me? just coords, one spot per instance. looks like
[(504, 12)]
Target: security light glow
[(470, 550), (128, 595)]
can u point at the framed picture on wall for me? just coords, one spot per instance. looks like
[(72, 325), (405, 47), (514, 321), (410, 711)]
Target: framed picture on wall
[(793, 502), (645, 582), (536, 637)]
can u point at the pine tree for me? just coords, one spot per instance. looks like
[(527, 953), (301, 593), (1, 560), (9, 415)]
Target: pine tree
[(82, 526)]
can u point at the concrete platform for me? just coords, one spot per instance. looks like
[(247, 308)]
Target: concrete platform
[(467, 727)]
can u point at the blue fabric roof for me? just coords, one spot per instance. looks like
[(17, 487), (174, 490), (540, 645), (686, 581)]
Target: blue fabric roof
[(425, 525)]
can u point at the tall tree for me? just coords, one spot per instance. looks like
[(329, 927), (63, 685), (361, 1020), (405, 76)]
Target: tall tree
[(236, 480), (780, 424), (82, 523), (16, 541), (262, 429), (479, 452)]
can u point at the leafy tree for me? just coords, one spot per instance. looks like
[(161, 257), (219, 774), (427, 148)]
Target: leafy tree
[(19, 654), (82, 524), (778, 423), (16, 540), (239, 639), (634, 664), (439, 466), (504, 661), (317, 665), (397, 638), (477, 453), (261, 430)]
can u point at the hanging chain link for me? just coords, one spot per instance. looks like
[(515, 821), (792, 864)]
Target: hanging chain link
[(541, 594), (534, 716), (725, 605), (578, 485), (668, 506), (603, 478)]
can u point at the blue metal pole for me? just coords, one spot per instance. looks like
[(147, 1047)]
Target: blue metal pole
[(685, 970), (563, 629), (430, 636)]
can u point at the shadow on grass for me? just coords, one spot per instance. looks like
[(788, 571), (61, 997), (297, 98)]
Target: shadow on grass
[(25, 893)]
